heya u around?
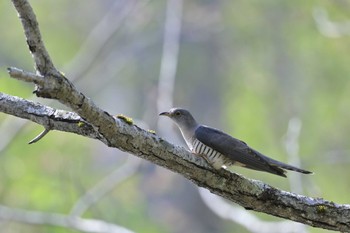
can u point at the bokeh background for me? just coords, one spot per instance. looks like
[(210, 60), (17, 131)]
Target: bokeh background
[(272, 73)]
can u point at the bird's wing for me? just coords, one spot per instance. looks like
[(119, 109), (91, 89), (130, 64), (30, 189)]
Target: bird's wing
[(235, 149)]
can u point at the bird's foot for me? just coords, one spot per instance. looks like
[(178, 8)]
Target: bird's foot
[(205, 158)]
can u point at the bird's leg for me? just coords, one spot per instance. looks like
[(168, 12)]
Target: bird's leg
[(211, 163), (203, 156)]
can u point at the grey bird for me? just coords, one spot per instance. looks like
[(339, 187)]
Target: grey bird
[(220, 149)]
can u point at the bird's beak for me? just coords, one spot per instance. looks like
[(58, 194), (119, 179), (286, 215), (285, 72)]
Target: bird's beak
[(164, 114)]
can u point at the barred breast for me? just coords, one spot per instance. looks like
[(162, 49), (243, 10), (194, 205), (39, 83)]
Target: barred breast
[(213, 157)]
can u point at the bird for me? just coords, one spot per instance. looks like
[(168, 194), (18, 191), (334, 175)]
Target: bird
[(222, 150)]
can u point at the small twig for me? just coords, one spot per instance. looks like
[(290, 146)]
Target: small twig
[(40, 136), (25, 76)]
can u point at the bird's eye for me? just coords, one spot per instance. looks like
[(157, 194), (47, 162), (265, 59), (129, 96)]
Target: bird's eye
[(177, 113)]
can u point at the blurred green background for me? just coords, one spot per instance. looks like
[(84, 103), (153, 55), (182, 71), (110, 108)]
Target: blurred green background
[(251, 68)]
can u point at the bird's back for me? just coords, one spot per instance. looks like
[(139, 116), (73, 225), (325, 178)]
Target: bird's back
[(239, 153)]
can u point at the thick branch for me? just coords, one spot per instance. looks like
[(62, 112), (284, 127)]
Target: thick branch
[(251, 194)]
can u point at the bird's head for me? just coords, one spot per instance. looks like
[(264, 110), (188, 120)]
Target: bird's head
[(181, 117)]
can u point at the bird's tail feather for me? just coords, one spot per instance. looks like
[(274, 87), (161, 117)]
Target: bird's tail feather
[(277, 167), (288, 167)]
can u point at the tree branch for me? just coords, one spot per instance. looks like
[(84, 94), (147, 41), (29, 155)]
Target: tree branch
[(54, 85), (124, 135), (42, 60), (48, 117)]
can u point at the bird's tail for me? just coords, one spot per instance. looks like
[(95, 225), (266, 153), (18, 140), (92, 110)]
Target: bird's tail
[(287, 166), (277, 167)]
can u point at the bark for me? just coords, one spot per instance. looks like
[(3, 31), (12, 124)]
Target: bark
[(90, 121)]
